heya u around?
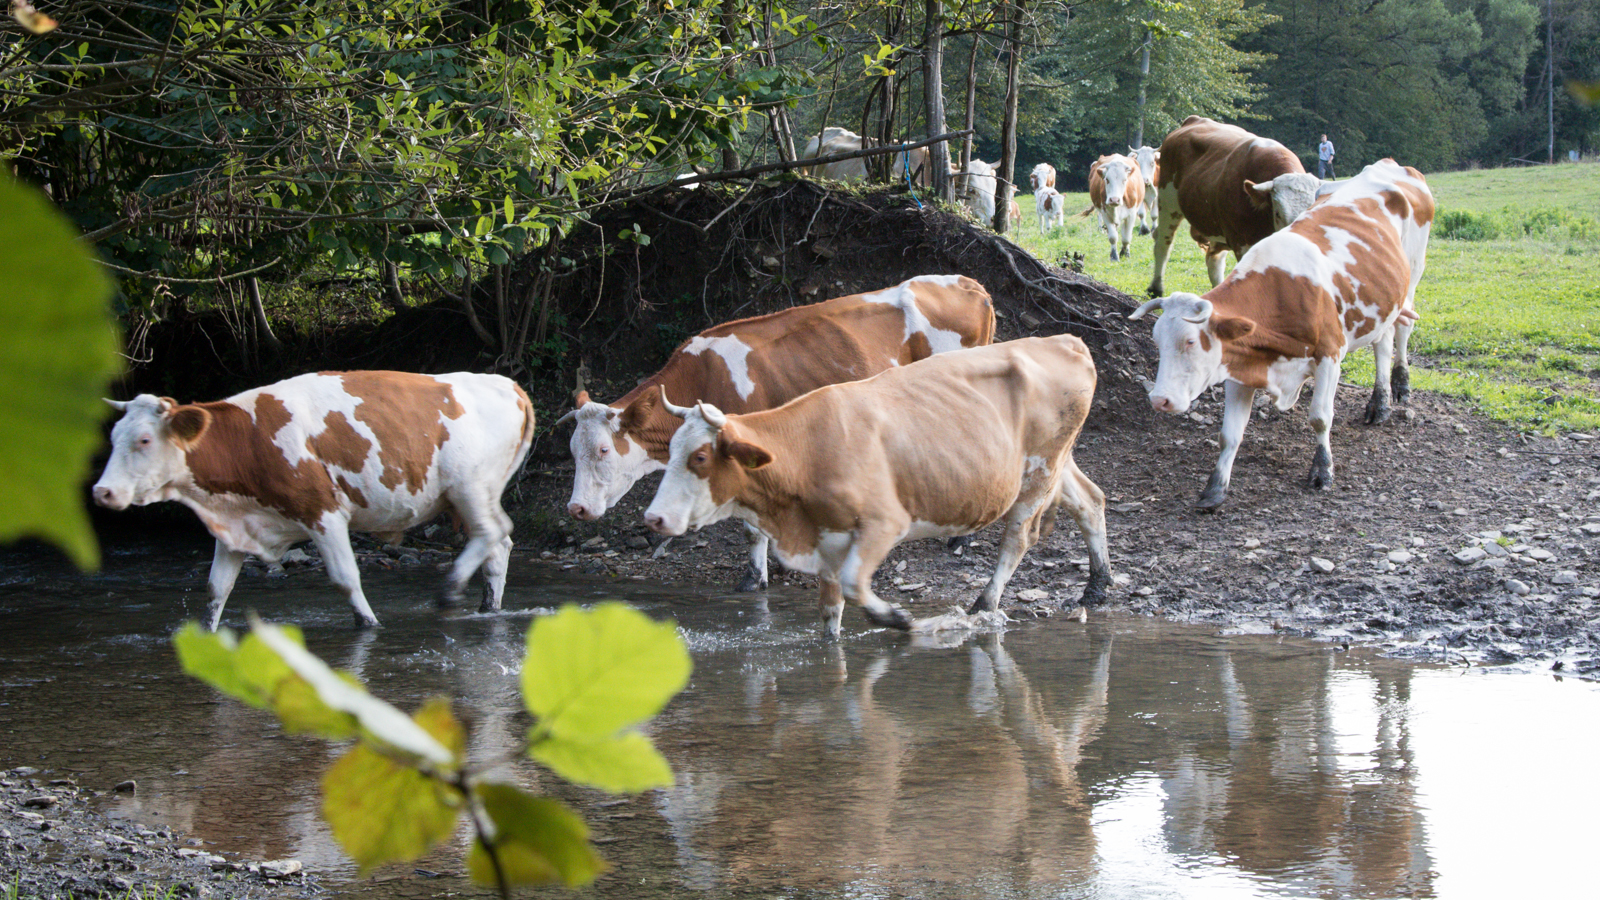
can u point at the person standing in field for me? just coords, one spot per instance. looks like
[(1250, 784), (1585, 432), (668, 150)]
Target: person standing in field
[(1325, 159)]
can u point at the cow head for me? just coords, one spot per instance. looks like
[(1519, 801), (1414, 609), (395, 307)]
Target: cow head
[(1116, 170), (1190, 337), (605, 463), (707, 465), (1147, 158), (148, 447), (1290, 195)]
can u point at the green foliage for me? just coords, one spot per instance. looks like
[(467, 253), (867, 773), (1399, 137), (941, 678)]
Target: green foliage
[(591, 677), (1465, 225), (58, 350)]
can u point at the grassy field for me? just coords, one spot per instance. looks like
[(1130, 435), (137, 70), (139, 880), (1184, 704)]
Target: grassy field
[(1510, 302)]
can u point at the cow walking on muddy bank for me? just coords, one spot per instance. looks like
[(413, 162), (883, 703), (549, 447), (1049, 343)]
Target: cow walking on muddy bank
[(319, 456), (1342, 276), (941, 447)]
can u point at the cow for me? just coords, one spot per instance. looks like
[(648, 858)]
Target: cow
[(1116, 192), (755, 364), (318, 456), (1050, 207), (1015, 213), (1149, 159), (1342, 276), (975, 188), (906, 164), (944, 446), (1042, 176), (1234, 188)]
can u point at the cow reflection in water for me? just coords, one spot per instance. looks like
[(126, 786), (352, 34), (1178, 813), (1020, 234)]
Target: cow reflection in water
[(1269, 784), (939, 771), (915, 794)]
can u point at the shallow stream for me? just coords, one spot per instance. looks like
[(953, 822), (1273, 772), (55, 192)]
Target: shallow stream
[(1122, 758)]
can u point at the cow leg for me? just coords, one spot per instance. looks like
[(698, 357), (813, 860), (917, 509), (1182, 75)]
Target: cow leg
[(1127, 233), (1216, 259), (1168, 218), (487, 525), (1109, 226), (1322, 397), (872, 543), (1041, 489), (494, 575), (1400, 375), (1383, 357), (225, 566), (1237, 403), (1087, 503), (755, 577), (830, 602), (334, 543)]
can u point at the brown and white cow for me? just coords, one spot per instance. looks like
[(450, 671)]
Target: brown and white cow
[(1116, 192), (318, 456), (1342, 276), (840, 140), (1234, 188), (1051, 208), (941, 447), (763, 362), (975, 188), (1149, 160), (1042, 176)]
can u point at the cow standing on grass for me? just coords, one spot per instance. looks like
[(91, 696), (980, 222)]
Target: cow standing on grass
[(1050, 207), (1116, 192), (763, 362), (941, 447), (1042, 176), (1149, 160), (319, 456), (1234, 188), (1342, 277)]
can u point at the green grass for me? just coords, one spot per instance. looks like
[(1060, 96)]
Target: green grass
[(1510, 301)]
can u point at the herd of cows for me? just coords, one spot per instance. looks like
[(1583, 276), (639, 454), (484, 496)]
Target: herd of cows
[(835, 430)]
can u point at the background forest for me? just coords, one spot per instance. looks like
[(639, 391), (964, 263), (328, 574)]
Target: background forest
[(208, 147)]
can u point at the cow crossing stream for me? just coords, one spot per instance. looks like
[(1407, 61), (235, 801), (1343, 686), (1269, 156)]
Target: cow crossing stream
[(1121, 758)]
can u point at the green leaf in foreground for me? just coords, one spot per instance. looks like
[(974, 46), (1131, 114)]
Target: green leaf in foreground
[(58, 350), (382, 811), (627, 763), (537, 841), (591, 673), (254, 672)]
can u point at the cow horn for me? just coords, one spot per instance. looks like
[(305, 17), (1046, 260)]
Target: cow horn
[(714, 417), (679, 411), (1146, 307), (1202, 313), (571, 414), (118, 405)]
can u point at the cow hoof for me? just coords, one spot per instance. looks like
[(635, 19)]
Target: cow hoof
[(751, 583), (979, 606), (894, 618), (487, 607), (363, 623), (1376, 414), (1144, 230), (1212, 498), (1095, 593), (1400, 384), (1153, 291), (958, 545), (1321, 479)]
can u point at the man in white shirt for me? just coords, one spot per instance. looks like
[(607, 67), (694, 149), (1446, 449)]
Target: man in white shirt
[(1325, 159)]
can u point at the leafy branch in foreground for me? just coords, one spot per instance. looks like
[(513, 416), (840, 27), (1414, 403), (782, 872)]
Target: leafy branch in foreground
[(590, 678)]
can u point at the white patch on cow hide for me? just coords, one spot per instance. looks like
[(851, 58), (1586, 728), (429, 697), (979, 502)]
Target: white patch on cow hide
[(903, 298), (1285, 379), (733, 352)]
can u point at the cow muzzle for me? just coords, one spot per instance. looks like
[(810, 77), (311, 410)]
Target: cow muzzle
[(582, 512), (659, 524), (106, 497), (1166, 404)]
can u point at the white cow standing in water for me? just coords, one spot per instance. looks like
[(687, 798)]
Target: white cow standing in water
[(319, 456)]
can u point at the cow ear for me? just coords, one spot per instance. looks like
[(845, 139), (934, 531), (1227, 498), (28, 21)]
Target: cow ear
[(1260, 195), (186, 424), (634, 415), (746, 454), (1231, 328)]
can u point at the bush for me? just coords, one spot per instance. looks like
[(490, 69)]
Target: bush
[(1461, 225)]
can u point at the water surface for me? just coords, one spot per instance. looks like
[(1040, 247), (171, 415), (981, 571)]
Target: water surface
[(1122, 758)]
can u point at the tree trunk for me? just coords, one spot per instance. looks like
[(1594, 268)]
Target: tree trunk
[(730, 22), (1144, 76), (972, 102), (392, 294), (263, 327), (1005, 173), (933, 93)]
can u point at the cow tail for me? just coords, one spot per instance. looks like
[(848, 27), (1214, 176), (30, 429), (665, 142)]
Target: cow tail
[(526, 407), (1086, 213)]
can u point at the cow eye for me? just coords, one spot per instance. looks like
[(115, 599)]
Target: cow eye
[(699, 459), (144, 440), (1189, 342), (604, 450)]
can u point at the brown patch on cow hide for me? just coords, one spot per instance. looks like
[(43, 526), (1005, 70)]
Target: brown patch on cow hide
[(351, 491), (916, 347), (407, 414), (340, 444), (237, 456)]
